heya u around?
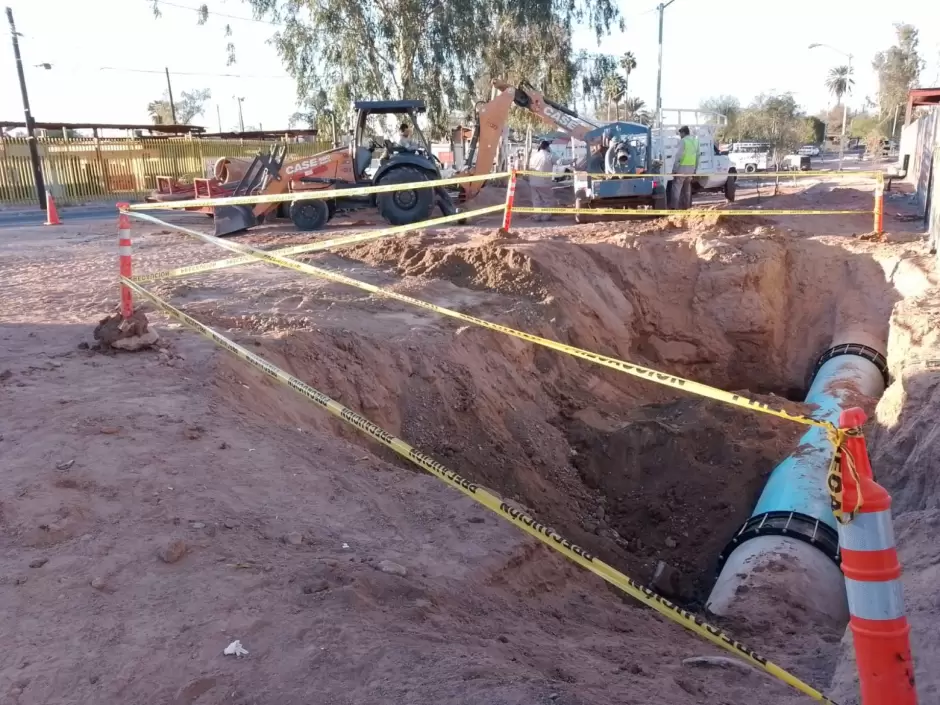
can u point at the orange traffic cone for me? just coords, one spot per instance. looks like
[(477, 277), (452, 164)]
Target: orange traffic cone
[(52, 215)]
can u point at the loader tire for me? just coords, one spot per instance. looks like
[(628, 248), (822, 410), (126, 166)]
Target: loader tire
[(408, 205), (309, 215)]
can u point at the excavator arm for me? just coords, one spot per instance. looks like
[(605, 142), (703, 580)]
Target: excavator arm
[(492, 118)]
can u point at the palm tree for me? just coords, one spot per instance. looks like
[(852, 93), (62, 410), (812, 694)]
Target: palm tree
[(634, 109), (840, 81), (627, 63), (614, 88)]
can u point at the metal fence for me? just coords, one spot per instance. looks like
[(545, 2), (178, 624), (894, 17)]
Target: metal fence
[(80, 171)]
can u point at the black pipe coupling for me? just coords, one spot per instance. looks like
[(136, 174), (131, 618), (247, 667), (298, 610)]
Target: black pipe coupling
[(793, 525)]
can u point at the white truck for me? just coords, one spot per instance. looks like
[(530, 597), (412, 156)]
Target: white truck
[(752, 156), (716, 172)]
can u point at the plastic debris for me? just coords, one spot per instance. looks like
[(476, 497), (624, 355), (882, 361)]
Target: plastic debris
[(235, 649)]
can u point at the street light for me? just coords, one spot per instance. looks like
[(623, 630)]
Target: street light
[(659, 74), (845, 106)]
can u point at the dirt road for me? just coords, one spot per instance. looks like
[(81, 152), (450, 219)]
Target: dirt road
[(155, 507)]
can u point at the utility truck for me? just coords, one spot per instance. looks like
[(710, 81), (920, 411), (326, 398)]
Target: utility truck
[(716, 172)]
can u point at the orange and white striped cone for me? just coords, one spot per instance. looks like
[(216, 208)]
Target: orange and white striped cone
[(879, 212), (510, 198), (124, 253), (872, 572)]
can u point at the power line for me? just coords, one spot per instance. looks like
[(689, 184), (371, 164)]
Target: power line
[(190, 73)]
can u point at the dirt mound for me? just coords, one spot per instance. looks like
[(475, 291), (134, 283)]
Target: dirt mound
[(491, 266)]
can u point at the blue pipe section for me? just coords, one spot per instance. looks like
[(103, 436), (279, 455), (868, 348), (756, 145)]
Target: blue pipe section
[(798, 484)]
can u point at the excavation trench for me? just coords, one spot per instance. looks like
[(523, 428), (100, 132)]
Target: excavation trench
[(635, 472)]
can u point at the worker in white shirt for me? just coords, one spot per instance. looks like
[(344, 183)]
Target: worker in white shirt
[(542, 192)]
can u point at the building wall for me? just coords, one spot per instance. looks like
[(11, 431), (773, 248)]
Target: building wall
[(920, 140)]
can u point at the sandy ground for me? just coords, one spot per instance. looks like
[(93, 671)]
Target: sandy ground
[(156, 506)]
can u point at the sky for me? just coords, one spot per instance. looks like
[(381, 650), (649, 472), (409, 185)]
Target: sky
[(108, 56)]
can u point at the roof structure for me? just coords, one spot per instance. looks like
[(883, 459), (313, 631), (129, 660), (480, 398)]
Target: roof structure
[(920, 97)]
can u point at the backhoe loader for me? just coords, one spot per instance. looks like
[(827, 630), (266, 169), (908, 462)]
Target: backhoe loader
[(614, 192), (343, 167)]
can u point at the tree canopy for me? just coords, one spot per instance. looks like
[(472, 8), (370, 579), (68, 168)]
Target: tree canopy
[(840, 81), (898, 69), (440, 51), (188, 106)]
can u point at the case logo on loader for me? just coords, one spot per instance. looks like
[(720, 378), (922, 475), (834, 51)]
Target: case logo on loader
[(561, 118), (306, 164)]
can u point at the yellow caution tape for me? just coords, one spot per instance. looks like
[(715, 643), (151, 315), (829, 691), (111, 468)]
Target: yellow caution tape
[(835, 481), (738, 175), (314, 246), (310, 195), (691, 211), (493, 502), (664, 379)]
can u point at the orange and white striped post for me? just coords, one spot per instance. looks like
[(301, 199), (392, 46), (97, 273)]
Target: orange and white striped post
[(872, 572), (124, 253), (879, 212), (510, 197)]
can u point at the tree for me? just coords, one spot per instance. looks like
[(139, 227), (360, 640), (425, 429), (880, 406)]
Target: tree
[(817, 128), (614, 90), (898, 69), (777, 119), (634, 110), (189, 105), (628, 64), (840, 81), (430, 49), (726, 105), (595, 73)]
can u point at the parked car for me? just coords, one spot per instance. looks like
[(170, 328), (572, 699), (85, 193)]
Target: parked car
[(796, 162), (809, 150)]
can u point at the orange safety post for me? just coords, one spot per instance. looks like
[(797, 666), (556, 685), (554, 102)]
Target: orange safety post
[(52, 214), (510, 197), (872, 572), (124, 253), (879, 205)]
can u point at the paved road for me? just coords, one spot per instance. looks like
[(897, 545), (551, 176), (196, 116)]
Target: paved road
[(34, 216)]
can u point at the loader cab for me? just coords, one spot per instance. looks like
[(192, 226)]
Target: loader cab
[(366, 147)]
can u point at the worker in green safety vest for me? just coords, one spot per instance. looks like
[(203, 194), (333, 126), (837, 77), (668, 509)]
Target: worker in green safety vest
[(685, 162)]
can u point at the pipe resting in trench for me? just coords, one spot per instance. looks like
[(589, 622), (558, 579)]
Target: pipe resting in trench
[(788, 550)]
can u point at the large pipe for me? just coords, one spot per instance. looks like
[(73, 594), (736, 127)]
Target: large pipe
[(788, 550)]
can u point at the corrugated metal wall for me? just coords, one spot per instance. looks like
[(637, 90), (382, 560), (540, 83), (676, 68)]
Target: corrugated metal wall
[(85, 170)]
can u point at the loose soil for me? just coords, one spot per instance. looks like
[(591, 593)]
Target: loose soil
[(157, 506)]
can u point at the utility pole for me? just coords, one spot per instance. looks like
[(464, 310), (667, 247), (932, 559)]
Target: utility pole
[(30, 123), (845, 115), (218, 117), (659, 75), (241, 119), (169, 92)]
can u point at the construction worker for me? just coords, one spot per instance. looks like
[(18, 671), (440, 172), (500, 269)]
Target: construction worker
[(685, 162), (542, 192), (595, 163), (404, 137)]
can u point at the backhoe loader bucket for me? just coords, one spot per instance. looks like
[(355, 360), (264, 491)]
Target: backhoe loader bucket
[(233, 219)]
